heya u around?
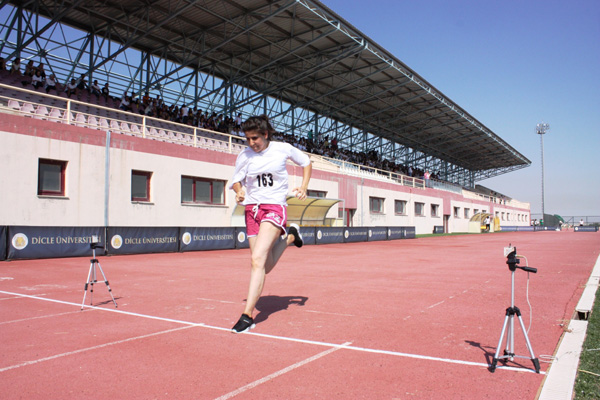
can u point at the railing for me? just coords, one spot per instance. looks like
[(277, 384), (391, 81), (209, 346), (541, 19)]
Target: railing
[(102, 116), (353, 169), (39, 105)]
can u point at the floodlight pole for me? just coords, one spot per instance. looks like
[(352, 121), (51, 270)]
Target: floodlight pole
[(541, 129)]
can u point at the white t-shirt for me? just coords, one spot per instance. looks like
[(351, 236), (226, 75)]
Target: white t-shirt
[(264, 174)]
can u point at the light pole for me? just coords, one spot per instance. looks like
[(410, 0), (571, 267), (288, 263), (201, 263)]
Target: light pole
[(541, 129)]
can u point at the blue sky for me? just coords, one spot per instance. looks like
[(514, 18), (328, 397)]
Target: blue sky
[(511, 65)]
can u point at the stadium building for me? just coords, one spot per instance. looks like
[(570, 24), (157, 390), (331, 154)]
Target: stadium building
[(388, 149)]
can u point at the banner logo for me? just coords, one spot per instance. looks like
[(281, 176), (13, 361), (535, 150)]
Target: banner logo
[(186, 238), (241, 237), (116, 242), (20, 241)]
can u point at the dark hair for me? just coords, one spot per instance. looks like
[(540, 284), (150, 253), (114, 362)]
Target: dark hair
[(259, 123)]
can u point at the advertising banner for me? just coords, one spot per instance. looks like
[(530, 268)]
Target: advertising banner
[(326, 235), (409, 232), (353, 234), (378, 233), (140, 240), (509, 228), (26, 242), (585, 229), (241, 238), (3, 230), (309, 234), (525, 228), (194, 239), (395, 232), (438, 229)]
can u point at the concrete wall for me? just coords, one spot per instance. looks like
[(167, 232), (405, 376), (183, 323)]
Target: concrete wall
[(23, 141)]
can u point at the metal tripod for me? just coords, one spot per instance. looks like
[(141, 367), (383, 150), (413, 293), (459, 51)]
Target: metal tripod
[(91, 279), (509, 321)]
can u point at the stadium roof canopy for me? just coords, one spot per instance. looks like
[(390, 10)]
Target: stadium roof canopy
[(302, 54)]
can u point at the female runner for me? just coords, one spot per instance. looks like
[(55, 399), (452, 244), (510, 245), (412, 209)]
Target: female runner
[(260, 182)]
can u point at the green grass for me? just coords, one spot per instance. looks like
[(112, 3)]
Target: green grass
[(587, 383)]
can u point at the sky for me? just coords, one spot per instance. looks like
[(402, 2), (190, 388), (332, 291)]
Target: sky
[(511, 65)]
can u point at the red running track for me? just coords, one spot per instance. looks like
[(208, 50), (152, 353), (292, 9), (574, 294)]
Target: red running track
[(408, 319)]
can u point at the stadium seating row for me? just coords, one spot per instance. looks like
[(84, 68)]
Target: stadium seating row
[(115, 124)]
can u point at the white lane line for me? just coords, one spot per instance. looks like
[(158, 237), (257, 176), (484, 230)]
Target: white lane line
[(284, 338), (328, 313), (218, 301), (70, 353), (437, 304), (40, 317), (280, 372)]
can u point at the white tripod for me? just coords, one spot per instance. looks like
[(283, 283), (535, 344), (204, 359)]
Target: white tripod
[(509, 321), (91, 279)]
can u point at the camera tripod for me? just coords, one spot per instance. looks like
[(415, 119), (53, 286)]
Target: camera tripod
[(509, 321), (91, 279)]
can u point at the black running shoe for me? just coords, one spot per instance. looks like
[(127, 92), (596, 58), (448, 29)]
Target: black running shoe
[(294, 229), (244, 324)]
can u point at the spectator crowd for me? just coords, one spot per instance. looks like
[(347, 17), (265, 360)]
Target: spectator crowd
[(155, 107)]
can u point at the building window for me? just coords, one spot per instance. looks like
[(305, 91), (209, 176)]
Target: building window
[(420, 209), (140, 185), (316, 193), (435, 210), (201, 190), (467, 213), (475, 211), (456, 212), (400, 207), (51, 177), (376, 205)]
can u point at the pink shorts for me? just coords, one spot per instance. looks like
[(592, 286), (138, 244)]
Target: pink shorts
[(257, 213)]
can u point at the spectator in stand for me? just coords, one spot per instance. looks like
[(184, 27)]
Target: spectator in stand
[(36, 80), (125, 104), (184, 111), (426, 176), (2, 64), (40, 68), (71, 87), (95, 88), (150, 109), (50, 83), (133, 99), (334, 143), (82, 83), (105, 91), (237, 124), (29, 69), (15, 68), (28, 74)]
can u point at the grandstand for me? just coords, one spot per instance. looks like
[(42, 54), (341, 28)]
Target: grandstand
[(312, 72)]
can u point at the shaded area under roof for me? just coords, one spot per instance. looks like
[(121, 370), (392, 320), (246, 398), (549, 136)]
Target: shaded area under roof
[(304, 54)]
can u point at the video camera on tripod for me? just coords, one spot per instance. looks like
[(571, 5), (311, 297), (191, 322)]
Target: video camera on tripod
[(508, 329), (512, 260), (92, 277)]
